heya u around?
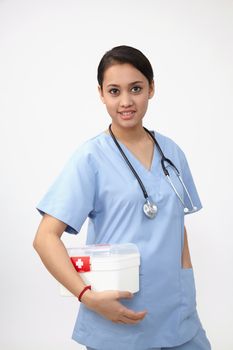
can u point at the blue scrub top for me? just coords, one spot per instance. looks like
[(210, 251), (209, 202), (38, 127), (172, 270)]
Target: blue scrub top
[(97, 183)]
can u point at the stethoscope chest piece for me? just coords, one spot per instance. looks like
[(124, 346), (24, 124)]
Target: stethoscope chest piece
[(150, 209)]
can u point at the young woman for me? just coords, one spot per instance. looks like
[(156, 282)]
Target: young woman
[(119, 180)]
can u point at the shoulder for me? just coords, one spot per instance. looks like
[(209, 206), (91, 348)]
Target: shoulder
[(89, 147), (169, 146), (166, 141), (84, 154)]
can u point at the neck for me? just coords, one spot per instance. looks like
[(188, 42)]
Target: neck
[(129, 135)]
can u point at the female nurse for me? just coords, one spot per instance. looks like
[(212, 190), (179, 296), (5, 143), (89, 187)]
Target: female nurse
[(117, 180)]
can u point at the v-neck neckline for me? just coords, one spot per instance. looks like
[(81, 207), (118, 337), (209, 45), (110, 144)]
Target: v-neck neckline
[(133, 156)]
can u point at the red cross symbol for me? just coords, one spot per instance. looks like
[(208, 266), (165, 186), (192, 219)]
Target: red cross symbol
[(81, 263)]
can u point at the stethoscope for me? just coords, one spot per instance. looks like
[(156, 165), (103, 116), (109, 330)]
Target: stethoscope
[(150, 209)]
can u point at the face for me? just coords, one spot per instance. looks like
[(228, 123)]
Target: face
[(125, 92)]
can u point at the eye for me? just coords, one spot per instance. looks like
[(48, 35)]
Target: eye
[(136, 89), (114, 91)]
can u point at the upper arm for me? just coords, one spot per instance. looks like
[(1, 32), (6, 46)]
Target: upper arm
[(185, 238), (49, 226), (186, 259)]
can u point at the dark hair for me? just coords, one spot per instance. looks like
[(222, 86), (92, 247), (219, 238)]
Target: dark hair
[(125, 54)]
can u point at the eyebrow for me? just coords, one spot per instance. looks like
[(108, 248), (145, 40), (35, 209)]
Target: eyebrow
[(135, 82)]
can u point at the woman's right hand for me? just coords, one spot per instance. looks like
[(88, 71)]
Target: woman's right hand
[(107, 304)]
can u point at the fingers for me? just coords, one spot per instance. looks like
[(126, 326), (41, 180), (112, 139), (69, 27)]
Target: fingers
[(130, 314), (110, 307), (125, 295), (130, 317), (127, 320)]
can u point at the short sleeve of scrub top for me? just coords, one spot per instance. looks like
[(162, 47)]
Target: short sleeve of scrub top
[(71, 197), (98, 184)]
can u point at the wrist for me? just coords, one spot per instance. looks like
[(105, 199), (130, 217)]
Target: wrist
[(83, 291), (88, 298)]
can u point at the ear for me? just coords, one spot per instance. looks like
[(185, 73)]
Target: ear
[(151, 89), (101, 94)]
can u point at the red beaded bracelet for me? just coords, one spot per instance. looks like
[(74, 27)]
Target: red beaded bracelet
[(83, 291)]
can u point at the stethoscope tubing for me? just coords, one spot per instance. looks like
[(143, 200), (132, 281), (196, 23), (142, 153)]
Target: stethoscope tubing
[(165, 170), (163, 160), (129, 164)]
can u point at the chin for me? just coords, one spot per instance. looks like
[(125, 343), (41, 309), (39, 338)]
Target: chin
[(127, 123)]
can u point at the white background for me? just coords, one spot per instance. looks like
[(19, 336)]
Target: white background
[(49, 105)]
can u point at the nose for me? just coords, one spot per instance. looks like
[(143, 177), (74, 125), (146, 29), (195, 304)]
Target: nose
[(126, 100)]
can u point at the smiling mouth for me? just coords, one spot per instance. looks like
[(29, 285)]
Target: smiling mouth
[(127, 115)]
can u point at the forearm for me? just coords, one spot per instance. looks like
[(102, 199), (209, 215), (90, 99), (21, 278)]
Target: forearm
[(54, 256), (56, 259), (186, 259)]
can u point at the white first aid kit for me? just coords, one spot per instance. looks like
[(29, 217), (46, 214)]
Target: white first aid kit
[(106, 267)]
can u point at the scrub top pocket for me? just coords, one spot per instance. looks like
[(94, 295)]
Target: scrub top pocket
[(188, 293)]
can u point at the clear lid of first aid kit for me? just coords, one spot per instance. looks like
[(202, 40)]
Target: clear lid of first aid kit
[(104, 250)]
